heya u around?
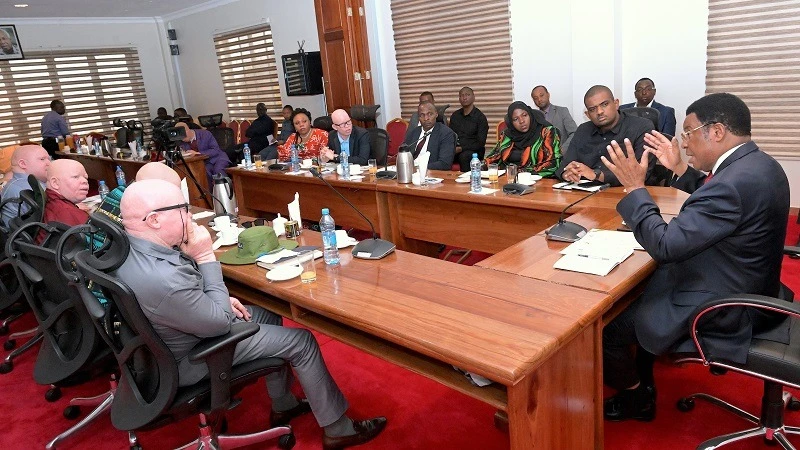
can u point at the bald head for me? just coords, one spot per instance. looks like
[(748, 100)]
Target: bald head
[(342, 123), (68, 178), (158, 171), (31, 160), (141, 199)]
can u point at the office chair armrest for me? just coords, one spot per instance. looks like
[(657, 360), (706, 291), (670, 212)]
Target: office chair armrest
[(792, 251), (217, 353), (762, 302)]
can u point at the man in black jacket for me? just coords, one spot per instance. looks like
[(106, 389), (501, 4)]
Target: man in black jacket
[(262, 135), (346, 137)]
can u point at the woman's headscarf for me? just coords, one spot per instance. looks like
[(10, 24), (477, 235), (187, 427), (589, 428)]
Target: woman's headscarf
[(524, 140)]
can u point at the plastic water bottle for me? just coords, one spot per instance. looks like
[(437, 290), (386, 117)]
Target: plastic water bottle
[(120, 175), (295, 159), (102, 189), (475, 173), (345, 157), (328, 227), (248, 160)]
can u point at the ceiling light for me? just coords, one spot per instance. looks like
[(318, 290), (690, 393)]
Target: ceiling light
[(21, 5)]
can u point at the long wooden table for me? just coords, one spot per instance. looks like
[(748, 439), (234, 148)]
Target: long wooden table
[(104, 168), (513, 319)]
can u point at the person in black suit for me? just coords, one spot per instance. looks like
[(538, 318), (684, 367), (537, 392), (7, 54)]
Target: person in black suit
[(347, 136), (727, 239), (432, 137), (645, 93)]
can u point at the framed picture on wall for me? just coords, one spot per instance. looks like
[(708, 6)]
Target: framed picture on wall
[(10, 47)]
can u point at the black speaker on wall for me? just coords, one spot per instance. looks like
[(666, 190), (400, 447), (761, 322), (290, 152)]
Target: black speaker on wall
[(302, 73)]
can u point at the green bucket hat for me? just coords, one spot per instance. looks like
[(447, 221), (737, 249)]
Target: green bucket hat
[(254, 242)]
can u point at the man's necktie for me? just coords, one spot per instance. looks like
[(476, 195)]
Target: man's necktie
[(708, 177), (421, 144)]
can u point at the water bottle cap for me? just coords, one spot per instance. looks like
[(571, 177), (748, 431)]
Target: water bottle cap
[(102, 182), (474, 155), (325, 211), (119, 168)]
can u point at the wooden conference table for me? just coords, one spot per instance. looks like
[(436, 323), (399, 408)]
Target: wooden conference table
[(103, 168), (535, 331)]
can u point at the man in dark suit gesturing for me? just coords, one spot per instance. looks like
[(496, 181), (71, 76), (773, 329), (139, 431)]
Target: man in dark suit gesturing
[(645, 93), (432, 137), (348, 137), (727, 239)]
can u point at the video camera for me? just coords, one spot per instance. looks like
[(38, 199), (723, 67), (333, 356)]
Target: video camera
[(128, 131), (166, 134)]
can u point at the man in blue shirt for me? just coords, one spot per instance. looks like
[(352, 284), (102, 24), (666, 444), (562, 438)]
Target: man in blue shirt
[(26, 160), (53, 126), (348, 138)]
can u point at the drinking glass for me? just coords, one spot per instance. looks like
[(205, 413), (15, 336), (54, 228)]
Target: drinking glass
[(511, 173), (493, 173), (258, 162), (373, 167), (309, 273)]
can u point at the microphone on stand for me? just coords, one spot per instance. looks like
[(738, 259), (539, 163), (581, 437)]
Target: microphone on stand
[(374, 248), (565, 231), (387, 174)]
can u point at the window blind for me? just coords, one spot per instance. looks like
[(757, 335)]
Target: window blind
[(445, 45), (96, 87), (753, 53), (246, 59)]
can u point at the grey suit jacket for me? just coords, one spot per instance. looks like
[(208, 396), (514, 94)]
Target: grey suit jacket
[(727, 239), (441, 146), (562, 119)]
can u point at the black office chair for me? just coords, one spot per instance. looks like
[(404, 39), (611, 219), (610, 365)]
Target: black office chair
[(778, 365), (323, 123), (224, 136), (148, 395), (651, 114), (365, 113), (378, 145)]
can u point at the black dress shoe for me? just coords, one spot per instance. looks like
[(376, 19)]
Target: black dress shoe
[(366, 430), (639, 404), (277, 419)]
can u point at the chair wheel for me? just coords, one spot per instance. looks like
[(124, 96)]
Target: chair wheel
[(10, 344), (769, 443), (287, 441), (72, 412), (3, 330), (6, 367), (685, 404), (794, 404), (52, 394), (136, 447)]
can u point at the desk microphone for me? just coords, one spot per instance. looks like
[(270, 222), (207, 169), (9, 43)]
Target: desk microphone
[(387, 174), (565, 231), (374, 248)]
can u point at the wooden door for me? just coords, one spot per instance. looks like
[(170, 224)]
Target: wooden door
[(343, 45)]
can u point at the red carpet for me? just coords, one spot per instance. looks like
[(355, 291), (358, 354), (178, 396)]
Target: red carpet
[(422, 414)]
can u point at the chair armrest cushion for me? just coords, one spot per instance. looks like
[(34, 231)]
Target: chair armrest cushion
[(755, 301), (207, 347)]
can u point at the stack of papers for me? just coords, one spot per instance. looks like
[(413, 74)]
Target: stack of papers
[(598, 252), (583, 185)]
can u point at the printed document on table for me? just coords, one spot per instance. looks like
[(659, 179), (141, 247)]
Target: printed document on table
[(600, 239), (598, 252)]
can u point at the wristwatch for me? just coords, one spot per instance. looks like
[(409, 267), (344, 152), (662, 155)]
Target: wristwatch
[(596, 174)]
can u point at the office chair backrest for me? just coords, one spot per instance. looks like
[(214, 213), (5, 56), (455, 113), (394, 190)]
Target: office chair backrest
[(323, 123), (70, 339), (378, 144), (224, 137), (365, 113), (651, 114), (210, 121), (148, 371)]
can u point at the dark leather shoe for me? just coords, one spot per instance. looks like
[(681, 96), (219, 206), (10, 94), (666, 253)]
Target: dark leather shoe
[(277, 419), (366, 430), (638, 404)]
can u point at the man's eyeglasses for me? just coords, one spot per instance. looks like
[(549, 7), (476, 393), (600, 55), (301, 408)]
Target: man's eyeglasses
[(254, 223), (685, 134), (344, 124), (184, 206), (645, 89)]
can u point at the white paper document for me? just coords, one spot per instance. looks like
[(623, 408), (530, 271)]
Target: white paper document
[(598, 252)]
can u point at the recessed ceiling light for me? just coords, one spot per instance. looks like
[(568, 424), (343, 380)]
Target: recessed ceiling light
[(21, 5)]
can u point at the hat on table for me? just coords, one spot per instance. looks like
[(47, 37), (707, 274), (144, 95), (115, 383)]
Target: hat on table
[(255, 242)]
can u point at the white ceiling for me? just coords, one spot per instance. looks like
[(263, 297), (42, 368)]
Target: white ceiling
[(96, 8)]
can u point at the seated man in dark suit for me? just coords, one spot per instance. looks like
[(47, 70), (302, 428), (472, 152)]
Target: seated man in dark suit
[(414, 122), (348, 138), (645, 93), (582, 158), (432, 137), (262, 135), (178, 283), (727, 239)]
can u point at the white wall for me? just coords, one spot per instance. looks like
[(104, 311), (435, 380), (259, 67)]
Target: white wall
[(38, 34), (202, 84)]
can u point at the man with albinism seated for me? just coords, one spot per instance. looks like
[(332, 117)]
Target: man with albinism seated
[(431, 137), (67, 188), (179, 285), (26, 160), (346, 137)]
